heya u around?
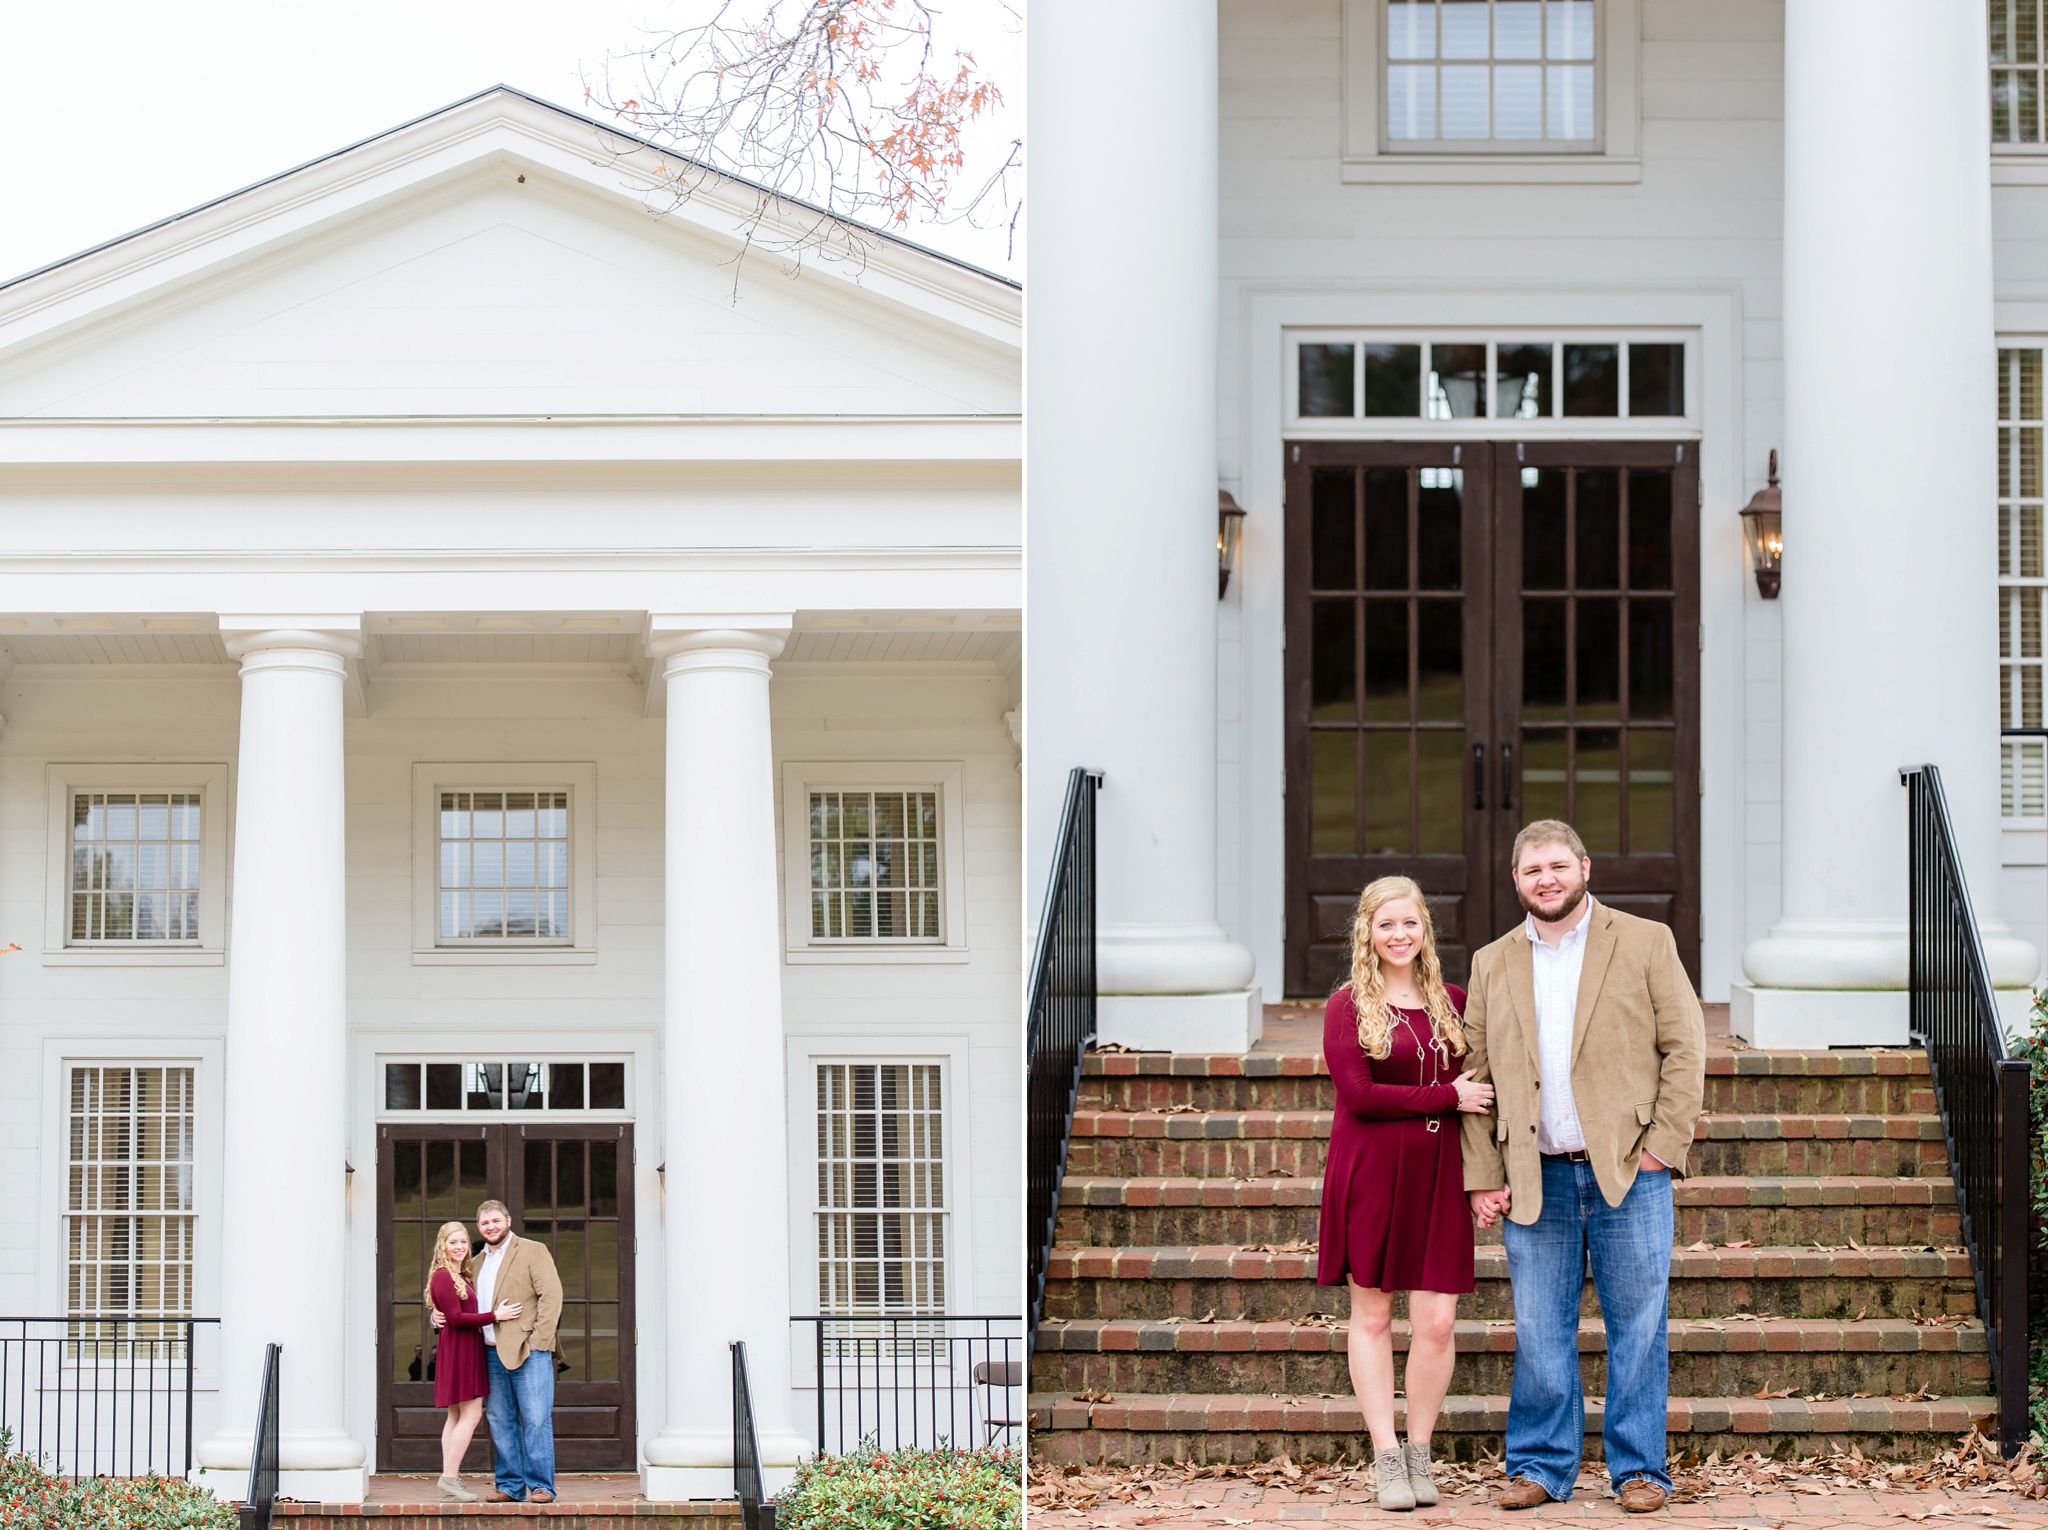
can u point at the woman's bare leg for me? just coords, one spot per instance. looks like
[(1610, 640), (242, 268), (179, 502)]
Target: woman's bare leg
[(1372, 1362), (456, 1430), (1431, 1317)]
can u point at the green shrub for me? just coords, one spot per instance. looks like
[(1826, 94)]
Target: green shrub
[(875, 1489), (33, 1499), (2033, 1046)]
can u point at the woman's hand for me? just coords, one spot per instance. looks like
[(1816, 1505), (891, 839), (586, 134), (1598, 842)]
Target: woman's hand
[(506, 1313), (1475, 1099)]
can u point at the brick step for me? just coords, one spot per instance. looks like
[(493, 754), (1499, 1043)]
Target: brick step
[(1847, 1082), (1237, 1284), (1249, 1144), (1139, 1428), (1708, 1358), (1146, 1212), (432, 1512)]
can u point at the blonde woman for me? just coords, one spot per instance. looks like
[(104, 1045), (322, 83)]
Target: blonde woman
[(459, 1382), (1395, 1217)]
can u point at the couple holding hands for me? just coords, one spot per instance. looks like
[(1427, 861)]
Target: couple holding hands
[(1573, 1071)]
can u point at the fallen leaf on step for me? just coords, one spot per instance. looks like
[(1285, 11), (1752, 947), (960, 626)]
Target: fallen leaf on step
[(1862, 1313), (1173, 1110), (1094, 1396), (1742, 1243), (1768, 1393), (1701, 1247)]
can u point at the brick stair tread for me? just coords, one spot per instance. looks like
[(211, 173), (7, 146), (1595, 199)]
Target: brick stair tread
[(1223, 1413), (1310, 1125), (1690, 1335), (1856, 1062), (1490, 1263), (1696, 1190)]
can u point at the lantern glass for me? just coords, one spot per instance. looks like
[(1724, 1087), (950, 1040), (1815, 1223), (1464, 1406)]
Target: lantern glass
[(1229, 540), (1763, 537)]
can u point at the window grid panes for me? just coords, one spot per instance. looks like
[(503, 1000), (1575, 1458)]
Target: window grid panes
[(134, 867), (1560, 378), (881, 1212), (874, 865), (2021, 581), (1491, 73), (129, 1218), (504, 866), (497, 1086), (2016, 65)]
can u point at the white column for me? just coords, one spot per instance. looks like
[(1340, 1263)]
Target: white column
[(284, 1214), (1890, 630), (725, 1217), (1120, 490)]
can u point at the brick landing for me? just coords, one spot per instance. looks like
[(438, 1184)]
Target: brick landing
[(585, 1502)]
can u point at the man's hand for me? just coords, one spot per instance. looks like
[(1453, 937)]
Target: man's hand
[(439, 1320), (1488, 1205), (1649, 1163)]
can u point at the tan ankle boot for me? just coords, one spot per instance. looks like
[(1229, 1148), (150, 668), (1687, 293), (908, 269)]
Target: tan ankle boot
[(1390, 1471)]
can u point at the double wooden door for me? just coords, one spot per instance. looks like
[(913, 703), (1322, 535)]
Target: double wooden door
[(568, 1186), (1480, 634)]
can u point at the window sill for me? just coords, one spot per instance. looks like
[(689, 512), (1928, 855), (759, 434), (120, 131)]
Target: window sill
[(2020, 167), (1482, 169), (98, 956), (537, 956), (874, 956), (2024, 846)]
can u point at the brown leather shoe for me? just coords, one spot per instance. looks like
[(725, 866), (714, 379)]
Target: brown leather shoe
[(1640, 1497), (499, 1495), (1523, 1494), (542, 1495)]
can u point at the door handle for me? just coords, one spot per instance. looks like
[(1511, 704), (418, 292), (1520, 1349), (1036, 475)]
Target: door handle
[(1478, 777), (1507, 777)]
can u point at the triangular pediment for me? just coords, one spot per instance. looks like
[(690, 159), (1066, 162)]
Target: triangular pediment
[(499, 259)]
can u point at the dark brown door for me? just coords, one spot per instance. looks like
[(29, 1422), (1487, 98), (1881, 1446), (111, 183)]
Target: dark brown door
[(568, 1186), (1479, 634)]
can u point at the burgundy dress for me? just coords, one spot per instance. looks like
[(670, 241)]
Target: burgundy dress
[(1394, 1213), (459, 1348)]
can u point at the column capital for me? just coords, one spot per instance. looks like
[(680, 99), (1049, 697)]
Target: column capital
[(670, 636), (340, 634)]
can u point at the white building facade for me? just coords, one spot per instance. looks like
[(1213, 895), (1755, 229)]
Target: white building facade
[(1491, 315), (508, 696)]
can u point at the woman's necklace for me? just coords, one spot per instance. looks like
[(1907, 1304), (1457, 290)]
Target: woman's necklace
[(1433, 1052)]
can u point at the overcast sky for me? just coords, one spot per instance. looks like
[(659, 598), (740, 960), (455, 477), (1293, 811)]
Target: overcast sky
[(114, 113)]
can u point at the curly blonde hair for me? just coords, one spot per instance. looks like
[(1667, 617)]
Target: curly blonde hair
[(1369, 987), (443, 1260)]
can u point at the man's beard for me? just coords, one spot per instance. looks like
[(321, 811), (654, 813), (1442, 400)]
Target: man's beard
[(1565, 910), (494, 1242)]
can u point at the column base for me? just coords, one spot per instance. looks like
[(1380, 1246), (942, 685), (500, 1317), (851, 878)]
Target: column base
[(683, 1484), (342, 1484), (1180, 1022), (1784, 1018)]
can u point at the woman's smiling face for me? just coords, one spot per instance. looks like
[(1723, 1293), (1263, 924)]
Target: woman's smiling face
[(1397, 932)]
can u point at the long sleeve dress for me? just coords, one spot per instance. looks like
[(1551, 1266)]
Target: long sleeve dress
[(1394, 1212), (459, 1348)]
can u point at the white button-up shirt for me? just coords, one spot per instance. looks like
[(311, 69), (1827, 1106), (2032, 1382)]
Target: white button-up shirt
[(1556, 970), (487, 1284)]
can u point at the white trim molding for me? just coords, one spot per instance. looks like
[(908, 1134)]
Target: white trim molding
[(1614, 157), (209, 778), (429, 779), (799, 779)]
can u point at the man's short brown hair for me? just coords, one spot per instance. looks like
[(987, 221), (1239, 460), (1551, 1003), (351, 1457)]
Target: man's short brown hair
[(1546, 831), (506, 1211)]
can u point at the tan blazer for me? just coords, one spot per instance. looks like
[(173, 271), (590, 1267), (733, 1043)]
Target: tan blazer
[(1639, 1051), (527, 1276)]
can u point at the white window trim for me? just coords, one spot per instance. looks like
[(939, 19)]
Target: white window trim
[(210, 780), (53, 1253), (953, 1054), (429, 780), (1617, 157), (799, 779)]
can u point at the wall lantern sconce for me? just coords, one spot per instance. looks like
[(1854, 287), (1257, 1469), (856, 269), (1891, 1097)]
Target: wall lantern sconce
[(1763, 536), (1229, 539)]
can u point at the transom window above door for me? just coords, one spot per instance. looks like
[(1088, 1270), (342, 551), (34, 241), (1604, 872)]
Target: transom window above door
[(1493, 74), (1363, 377), (494, 1086)]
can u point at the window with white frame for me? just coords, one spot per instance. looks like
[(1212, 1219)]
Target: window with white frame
[(2017, 61), (881, 1207), (129, 1199), (2021, 583), (1498, 74), (504, 865), (874, 865), (135, 866), (1340, 376)]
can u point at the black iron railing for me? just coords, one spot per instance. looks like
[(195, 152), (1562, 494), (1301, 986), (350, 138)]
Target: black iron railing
[(100, 1397), (1980, 1085), (1061, 1023), (897, 1382), (746, 1449), (262, 1500)]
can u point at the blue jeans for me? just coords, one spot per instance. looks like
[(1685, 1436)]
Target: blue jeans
[(1630, 1246), (521, 1409)]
